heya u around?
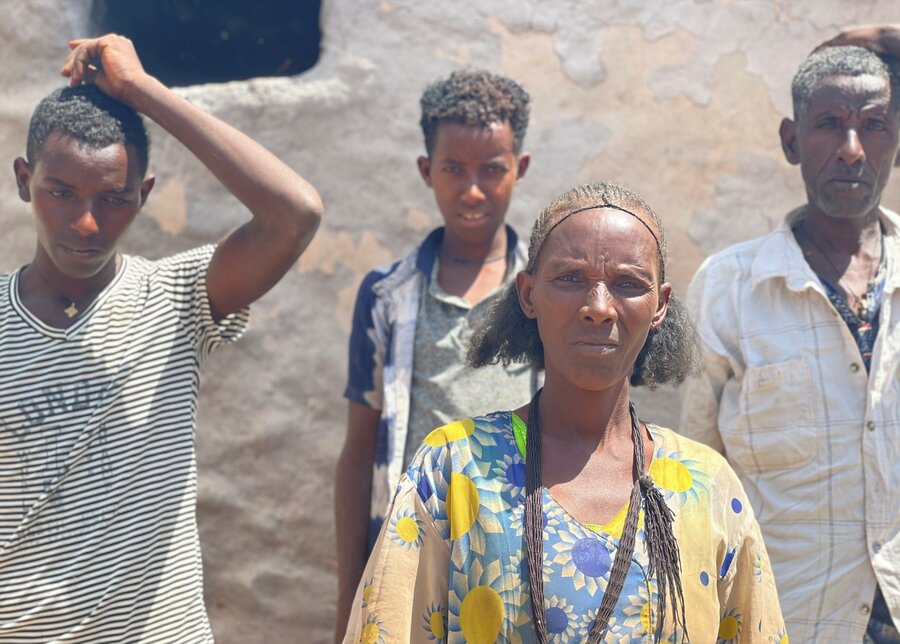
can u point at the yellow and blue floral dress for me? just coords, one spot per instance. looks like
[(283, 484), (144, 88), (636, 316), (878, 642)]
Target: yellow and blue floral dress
[(449, 564)]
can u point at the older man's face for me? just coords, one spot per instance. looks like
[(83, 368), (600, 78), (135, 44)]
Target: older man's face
[(846, 144)]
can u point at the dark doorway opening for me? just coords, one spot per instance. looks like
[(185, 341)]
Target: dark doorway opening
[(187, 42)]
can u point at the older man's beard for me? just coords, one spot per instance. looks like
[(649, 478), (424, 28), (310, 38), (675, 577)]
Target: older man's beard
[(850, 204)]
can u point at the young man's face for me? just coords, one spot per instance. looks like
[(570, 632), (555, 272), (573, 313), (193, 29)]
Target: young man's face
[(83, 200), (846, 144), (472, 171)]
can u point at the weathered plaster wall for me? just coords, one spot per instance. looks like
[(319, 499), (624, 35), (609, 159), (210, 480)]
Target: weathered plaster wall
[(681, 100)]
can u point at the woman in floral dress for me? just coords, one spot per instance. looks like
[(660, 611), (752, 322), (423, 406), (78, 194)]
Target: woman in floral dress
[(570, 520)]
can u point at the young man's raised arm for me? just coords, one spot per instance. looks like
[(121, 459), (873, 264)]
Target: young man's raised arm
[(286, 209)]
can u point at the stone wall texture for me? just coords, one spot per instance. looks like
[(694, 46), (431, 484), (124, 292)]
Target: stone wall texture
[(679, 99)]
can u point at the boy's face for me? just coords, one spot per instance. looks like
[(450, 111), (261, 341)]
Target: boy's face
[(472, 171), (83, 200)]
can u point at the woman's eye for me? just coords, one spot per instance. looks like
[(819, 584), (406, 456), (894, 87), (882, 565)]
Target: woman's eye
[(58, 194), (633, 285)]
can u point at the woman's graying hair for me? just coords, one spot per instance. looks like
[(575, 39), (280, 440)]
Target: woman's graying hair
[(670, 353)]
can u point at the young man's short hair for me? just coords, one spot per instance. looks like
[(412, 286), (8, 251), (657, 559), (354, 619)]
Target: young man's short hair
[(89, 116), (474, 97)]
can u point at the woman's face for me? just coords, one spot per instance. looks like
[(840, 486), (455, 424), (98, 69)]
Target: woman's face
[(595, 294)]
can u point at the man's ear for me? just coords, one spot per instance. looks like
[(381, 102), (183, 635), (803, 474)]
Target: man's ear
[(23, 177), (424, 164), (146, 187), (662, 305), (524, 161), (788, 133), (524, 289)]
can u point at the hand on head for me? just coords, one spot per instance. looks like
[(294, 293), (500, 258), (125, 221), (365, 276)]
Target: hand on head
[(110, 62), (882, 39)]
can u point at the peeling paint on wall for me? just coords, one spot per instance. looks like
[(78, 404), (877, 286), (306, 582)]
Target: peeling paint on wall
[(680, 100), (168, 206)]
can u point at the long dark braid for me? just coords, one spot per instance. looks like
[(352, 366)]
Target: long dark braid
[(662, 547), (659, 537)]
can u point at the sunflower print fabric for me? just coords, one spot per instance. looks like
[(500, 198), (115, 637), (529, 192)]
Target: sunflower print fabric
[(449, 564)]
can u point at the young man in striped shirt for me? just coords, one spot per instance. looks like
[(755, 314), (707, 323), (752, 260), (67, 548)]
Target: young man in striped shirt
[(100, 356)]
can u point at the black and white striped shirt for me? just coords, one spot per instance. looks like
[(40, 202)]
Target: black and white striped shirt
[(98, 481)]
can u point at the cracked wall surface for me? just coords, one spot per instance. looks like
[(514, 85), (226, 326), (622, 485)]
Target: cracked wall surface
[(679, 99)]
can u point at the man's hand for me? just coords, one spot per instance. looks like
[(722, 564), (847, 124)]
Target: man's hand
[(110, 62), (286, 209), (882, 39)]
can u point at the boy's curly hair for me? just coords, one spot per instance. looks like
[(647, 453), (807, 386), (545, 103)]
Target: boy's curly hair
[(474, 97)]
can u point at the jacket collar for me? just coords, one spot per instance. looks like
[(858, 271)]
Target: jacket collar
[(429, 248), (421, 261)]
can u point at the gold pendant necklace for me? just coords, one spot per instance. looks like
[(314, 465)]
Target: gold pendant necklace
[(71, 309)]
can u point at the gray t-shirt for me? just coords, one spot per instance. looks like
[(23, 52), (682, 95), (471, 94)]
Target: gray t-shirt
[(444, 389)]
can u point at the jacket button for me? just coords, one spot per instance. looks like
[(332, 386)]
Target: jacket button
[(854, 367)]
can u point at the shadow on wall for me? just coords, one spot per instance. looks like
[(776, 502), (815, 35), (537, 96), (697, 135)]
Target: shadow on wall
[(188, 42)]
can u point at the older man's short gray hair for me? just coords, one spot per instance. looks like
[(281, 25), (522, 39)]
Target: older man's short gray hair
[(840, 61)]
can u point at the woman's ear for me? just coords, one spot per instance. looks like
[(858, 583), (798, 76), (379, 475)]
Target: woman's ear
[(524, 288), (662, 305)]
